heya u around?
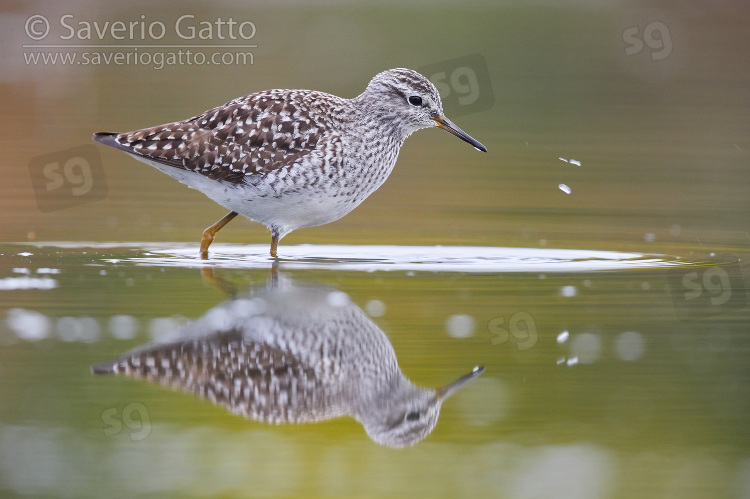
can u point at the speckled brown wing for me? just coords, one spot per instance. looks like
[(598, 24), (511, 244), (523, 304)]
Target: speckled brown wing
[(250, 135), (249, 378)]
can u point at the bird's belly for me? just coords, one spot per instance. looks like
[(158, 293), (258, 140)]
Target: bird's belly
[(291, 210), (286, 207)]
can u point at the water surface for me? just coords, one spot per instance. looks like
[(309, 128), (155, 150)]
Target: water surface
[(601, 373), (594, 259)]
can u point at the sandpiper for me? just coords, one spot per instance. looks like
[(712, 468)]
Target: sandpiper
[(292, 158), (294, 353)]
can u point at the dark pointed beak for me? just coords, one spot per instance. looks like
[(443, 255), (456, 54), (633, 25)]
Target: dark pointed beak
[(448, 126), (446, 391)]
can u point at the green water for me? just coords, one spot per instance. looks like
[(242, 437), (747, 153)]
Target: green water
[(598, 384)]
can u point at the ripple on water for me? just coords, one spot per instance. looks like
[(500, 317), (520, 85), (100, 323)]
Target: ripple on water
[(407, 258)]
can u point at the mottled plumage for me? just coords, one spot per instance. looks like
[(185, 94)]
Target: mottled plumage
[(293, 354), (292, 158)]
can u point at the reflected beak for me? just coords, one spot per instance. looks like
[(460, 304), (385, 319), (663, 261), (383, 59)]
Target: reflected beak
[(446, 391), (448, 126)]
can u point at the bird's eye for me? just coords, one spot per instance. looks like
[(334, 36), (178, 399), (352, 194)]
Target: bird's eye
[(412, 416), (415, 100)]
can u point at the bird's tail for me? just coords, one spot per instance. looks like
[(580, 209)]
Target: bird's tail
[(104, 368), (108, 139)]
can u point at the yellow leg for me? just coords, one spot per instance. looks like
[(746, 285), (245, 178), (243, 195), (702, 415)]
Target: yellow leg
[(217, 280), (209, 233), (274, 243)]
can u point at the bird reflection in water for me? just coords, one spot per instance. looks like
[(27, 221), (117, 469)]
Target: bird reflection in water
[(292, 353)]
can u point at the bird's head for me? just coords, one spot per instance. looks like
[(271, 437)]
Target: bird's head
[(411, 102)]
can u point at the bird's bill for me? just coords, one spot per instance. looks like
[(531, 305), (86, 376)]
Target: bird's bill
[(451, 388), (449, 126)]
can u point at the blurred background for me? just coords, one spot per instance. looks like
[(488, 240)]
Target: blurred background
[(650, 97), (619, 126)]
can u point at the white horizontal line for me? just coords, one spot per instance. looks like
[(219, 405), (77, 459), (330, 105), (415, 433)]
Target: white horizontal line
[(139, 46)]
